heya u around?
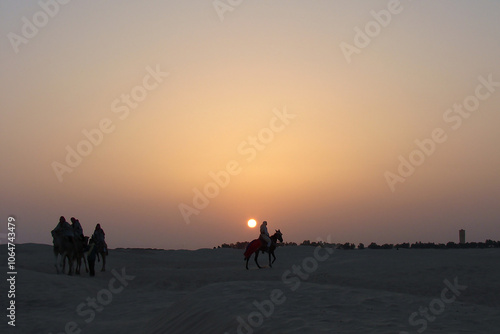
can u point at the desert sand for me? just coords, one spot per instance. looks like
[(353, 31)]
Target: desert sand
[(308, 290)]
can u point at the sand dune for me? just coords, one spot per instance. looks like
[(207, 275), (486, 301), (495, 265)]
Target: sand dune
[(209, 291)]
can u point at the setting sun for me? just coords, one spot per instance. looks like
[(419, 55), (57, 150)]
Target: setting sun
[(252, 223)]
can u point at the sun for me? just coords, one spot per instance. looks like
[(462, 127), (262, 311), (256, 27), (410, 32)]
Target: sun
[(252, 223)]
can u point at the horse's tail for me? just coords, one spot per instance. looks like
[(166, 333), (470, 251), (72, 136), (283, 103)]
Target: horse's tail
[(252, 248)]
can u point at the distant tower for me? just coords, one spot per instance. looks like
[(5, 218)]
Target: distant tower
[(461, 235)]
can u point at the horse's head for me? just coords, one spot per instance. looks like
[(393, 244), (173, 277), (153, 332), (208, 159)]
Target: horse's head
[(279, 235)]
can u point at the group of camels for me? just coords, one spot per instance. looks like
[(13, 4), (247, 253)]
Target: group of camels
[(73, 248)]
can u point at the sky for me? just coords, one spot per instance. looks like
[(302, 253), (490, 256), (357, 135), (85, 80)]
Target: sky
[(172, 123)]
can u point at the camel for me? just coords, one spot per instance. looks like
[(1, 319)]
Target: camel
[(101, 250), (95, 248), (81, 245), (66, 247)]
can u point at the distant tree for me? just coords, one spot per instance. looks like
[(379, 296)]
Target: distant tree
[(286, 244), (417, 245), (451, 244), (237, 245), (241, 244), (492, 244)]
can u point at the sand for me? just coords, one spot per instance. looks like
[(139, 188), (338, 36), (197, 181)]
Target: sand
[(209, 291)]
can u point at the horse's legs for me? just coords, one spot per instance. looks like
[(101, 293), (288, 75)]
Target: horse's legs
[(256, 256), (274, 257), (248, 258), (270, 263)]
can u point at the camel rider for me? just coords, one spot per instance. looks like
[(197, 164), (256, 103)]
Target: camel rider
[(77, 228), (63, 228), (99, 236), (264, 234)]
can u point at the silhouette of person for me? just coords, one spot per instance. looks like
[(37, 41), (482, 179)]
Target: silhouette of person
[(77, 228), (99, 237), (63, 228), (264, 234)]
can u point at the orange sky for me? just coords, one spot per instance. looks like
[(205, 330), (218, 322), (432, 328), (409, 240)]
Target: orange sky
[(169, 94)]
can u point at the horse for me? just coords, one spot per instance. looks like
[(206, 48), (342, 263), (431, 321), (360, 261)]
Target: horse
[(259, 245), (66, 247)]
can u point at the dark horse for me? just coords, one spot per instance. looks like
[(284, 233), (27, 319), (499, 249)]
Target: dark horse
[(259, 245)]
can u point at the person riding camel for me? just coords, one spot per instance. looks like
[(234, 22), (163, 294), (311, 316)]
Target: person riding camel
[(264, 234), (99, 236), (77, 228), (63, 228)]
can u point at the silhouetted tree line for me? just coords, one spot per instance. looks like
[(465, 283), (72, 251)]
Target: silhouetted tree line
[(244, 244), (417, 245), (316, 243), (238, 245), (432, 245)]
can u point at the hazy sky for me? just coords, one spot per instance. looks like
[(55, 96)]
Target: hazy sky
[(363, 120)]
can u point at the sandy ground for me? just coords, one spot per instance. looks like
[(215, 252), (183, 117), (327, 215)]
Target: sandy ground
[(308, 290)]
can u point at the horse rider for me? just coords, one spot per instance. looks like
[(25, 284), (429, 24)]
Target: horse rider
[(264, 234)]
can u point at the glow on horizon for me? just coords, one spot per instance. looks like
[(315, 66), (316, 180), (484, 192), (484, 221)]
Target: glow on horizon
[(322, 174)]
